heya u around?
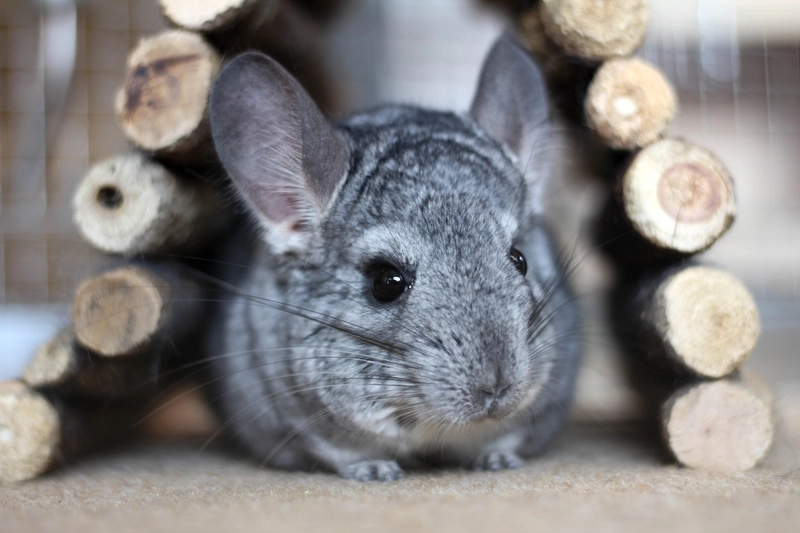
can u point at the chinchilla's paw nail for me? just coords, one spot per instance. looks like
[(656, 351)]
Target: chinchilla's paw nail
[(491, 461), (373, 471)]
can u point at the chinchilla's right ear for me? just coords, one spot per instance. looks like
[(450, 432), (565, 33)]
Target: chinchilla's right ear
[(511, 104), (284, 158)]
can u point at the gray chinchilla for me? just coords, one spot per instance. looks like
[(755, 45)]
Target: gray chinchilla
[(406, 303)]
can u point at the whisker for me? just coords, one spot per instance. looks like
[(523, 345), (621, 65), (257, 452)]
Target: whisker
[(292, 390), (152, 412)]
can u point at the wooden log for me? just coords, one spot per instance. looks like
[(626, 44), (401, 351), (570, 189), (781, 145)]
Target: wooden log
[(39, 431), (720, 425), (131, 205), (560, 68), (62, 364), (692, 319), (216, 15), (673, 200), (629, 103), (595, 30), (132, 310), (276, 27), (549, 55), (567, 77), (55, 362), (678, 196), (29, 432), (162, 104)]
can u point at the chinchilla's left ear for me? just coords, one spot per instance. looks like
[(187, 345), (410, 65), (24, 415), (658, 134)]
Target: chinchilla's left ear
[(511, 104)]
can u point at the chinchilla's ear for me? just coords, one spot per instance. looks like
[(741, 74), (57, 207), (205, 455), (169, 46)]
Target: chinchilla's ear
[(282, 155), (511, 104)]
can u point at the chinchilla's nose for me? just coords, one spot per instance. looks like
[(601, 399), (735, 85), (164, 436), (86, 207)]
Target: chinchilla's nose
[(493, 395)]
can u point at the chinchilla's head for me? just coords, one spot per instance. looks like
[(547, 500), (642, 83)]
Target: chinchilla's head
[(411, 302)]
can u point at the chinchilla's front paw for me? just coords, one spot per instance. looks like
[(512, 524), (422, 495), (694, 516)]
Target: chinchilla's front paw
[(376, 470), (496, 460)]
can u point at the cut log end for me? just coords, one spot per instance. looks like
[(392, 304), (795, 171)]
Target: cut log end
[(596, 29), (207, 16), (629, 103), (162, 105), (29, 433), (120, 201), (54, 363), (707, 319), (718, 425), (119, 311), (64, 366), (678, 196), (131, 205)]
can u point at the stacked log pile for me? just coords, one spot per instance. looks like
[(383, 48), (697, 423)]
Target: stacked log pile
[(157, 210), (686, 328)]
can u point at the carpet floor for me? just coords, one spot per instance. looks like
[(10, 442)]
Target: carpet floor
[(595, 478)]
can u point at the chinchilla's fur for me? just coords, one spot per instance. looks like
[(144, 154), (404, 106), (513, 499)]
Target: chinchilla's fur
[(471, 361)]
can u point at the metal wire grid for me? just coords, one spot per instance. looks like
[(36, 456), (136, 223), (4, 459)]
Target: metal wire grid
[(41, 255)]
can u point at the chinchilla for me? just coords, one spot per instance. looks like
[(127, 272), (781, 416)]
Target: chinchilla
[(405, 302)]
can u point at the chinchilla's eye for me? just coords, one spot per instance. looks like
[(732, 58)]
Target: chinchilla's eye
[(519, 261), (388, 283)]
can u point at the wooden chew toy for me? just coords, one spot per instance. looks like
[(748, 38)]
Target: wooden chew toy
[(701, 320), (595, 30), (720, 425), (162, 104), (682, 327), (29, 432), (678, 196), (62, 365), (38, 431), (130, 310), (274, 26), (673, 200), (55, 362), (629, 103), (550, 56), (131, 205)]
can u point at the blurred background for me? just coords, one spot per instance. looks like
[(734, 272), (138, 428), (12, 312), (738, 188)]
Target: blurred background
[(735, 63)]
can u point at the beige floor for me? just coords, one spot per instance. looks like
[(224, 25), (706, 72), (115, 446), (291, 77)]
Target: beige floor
[(595, 479), (609, 476)]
